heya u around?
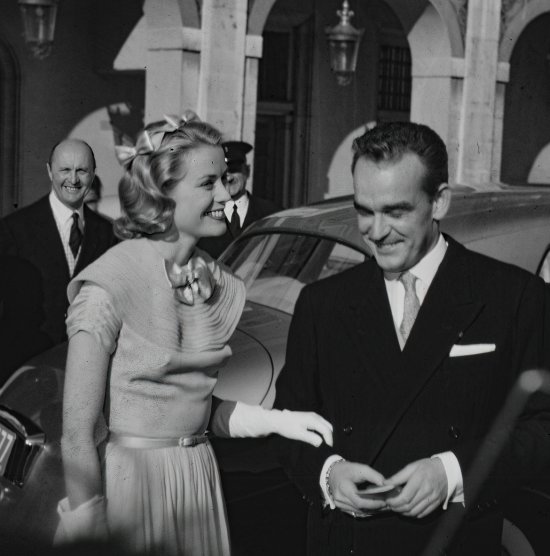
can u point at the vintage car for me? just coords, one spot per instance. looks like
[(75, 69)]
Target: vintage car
[(275, 257)]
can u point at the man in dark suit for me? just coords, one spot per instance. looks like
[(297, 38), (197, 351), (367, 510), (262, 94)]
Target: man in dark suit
[(58, 235), (244, 208), (410, 355)]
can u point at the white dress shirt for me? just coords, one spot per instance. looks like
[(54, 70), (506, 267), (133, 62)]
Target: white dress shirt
[(242, 208), (424, 271), (63, 216)]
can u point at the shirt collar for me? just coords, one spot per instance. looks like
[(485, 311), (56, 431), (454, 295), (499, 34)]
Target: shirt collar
[(426, 268), (242, 206), (241, 202), (63, 213)]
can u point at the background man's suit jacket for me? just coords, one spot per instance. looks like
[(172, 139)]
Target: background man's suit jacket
[(31, 234), (390, 408), (257, 208)]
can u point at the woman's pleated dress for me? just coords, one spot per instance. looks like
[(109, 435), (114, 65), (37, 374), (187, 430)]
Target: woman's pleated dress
[(165, 357)]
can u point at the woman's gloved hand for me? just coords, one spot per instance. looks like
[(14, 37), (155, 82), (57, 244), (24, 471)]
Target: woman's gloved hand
[(240, 420), (86, 522)]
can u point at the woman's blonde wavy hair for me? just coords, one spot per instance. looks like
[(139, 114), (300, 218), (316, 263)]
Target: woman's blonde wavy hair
[(153, 167)]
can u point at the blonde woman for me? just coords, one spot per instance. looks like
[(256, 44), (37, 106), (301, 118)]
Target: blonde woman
[(148, 325)]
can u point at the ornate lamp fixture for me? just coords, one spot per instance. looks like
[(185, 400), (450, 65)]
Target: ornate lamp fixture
[(39, 25), (343, 43)]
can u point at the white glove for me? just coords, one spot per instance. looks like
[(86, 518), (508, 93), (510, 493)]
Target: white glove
[(87, 521), (253, 421)]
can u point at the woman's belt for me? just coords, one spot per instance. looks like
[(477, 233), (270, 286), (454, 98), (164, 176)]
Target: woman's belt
[(143, 442)]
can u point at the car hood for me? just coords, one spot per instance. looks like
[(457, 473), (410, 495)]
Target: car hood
[(258, 348)]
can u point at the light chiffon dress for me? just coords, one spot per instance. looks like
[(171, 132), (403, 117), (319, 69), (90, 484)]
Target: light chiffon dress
[(160, 380)]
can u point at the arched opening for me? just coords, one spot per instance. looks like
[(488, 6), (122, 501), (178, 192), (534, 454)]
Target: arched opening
[(9, 130), (525, 153), (298, 128)]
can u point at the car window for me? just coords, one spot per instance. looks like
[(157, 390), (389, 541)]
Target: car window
[(544, 268), (275, 267)]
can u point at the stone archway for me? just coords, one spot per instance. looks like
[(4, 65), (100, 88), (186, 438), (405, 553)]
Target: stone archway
[(516, 19), (526, 154), (437, 50), (9, 130), (258, 16)]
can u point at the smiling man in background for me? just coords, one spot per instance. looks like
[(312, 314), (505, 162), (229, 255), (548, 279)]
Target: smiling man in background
[(58, 235)]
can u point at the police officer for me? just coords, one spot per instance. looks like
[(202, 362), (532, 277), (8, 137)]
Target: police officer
[(244, 208)]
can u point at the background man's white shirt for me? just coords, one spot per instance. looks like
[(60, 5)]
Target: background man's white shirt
[(63, 216), (242, 208)]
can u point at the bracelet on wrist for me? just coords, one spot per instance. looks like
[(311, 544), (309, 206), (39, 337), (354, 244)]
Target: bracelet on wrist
[(327, 476)]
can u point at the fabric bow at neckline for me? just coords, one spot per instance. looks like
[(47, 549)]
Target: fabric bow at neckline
[(192, 281)]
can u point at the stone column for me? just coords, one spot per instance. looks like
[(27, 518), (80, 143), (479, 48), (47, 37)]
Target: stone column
[(222, 68), (435, 100), (503, 77), (437, 74), (250, 100), (477, 121), (172, 60)]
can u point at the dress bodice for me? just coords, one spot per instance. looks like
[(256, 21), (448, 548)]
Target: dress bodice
[(165, 355)]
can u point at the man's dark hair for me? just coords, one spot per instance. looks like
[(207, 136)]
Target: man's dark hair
[(390, 141), (50, 158)]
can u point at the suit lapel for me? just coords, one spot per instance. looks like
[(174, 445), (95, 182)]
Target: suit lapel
[(89, 241), (449, 308), (250, 215), (369, 324), (229, 231), (48, 238)]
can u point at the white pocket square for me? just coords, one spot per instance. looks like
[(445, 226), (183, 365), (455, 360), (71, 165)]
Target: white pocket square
[(471, 349)]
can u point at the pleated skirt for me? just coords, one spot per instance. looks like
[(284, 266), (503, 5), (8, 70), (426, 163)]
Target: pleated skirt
[(166, 501)]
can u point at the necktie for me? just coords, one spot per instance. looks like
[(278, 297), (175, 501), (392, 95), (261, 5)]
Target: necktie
[(75, 238), (235, 224), (412, 304)]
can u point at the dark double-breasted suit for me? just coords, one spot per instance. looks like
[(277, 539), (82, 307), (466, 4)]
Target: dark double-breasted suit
[(391, 407), (257, 208), (31, 234)]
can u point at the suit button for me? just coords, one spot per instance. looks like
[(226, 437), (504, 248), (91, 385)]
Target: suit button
[(348, 429), (454, 432)]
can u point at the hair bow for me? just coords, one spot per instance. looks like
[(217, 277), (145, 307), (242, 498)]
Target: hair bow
[(190, 281), (150, 139), (177, 122), (125, 154)]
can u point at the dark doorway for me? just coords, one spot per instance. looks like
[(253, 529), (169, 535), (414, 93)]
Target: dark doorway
[(282, 123)]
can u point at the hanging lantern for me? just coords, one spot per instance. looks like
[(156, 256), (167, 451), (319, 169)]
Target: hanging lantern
[(39, 25), (343, 43)]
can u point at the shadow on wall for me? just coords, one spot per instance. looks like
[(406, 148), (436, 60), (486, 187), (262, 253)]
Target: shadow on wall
[(340, 180), (103, 129)]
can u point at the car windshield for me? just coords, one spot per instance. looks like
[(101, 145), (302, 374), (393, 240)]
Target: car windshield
[(276, 266)]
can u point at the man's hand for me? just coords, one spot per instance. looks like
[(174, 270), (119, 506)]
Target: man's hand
[(343, 480), (424, 488)]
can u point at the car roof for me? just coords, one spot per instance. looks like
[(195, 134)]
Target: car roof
[(474, 215)]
